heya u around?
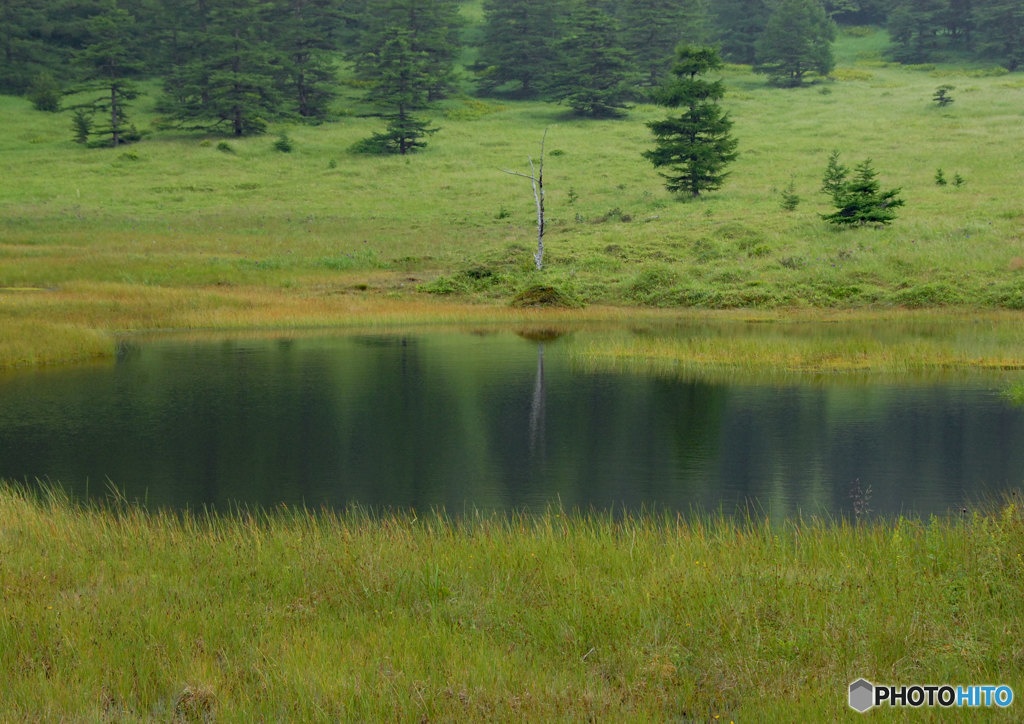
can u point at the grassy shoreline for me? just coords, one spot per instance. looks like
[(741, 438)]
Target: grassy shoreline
[(82, 321), (117, 612), (173, 233)]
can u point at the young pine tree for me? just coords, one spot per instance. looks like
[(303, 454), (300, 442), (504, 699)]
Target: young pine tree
[(859, 201), (696, 146)]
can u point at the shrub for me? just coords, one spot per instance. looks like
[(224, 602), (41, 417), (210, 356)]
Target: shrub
[(283, 144), (44, 93), (942, 96)]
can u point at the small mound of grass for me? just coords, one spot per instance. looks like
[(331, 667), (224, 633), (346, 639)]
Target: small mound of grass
[(544, 295)]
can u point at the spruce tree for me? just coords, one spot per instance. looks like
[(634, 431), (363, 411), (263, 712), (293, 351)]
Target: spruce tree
[(402, 86), (859, 201), (592, 75), (228, 69), (915, 27), (695, 146), (651, 30), (1000, 31), (26, 45), (737, 24), (430, 28), (107, 64), (797, 40), (303, 34), (517, 51)]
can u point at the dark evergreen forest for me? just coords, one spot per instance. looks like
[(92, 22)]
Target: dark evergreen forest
[(234, 65)]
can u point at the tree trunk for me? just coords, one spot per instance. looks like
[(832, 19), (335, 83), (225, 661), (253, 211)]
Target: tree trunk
[(113, 116)]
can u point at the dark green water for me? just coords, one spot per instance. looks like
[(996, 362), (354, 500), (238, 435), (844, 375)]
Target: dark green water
[(492, 421)]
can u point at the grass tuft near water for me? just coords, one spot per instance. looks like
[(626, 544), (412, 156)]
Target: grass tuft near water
[(116, 612)]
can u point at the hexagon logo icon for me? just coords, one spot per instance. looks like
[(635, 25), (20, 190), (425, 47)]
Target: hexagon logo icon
[(862, 695)]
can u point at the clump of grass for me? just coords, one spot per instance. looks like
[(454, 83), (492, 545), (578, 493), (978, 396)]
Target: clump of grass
[(1015, 393), (641, 617), (778, 349), (544, 295), (30, 343)]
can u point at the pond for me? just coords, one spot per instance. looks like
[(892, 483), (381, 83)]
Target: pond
[(496, 421)]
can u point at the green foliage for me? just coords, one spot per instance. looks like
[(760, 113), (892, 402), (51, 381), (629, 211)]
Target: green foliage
[(593, 65), (107, 65), (304, 37), (284, 143), (402, 82), (942, 97), (44, 92), (544, 295), (650, 31), (81, 124), (402, 588), (695, 146), (737, 26), (790, 199), (425, 33), (834, 178), (860, 201), (517, 51), (999, 31), (797, 40), (940, 178), (958, 180), (404, 134), (229, 80)]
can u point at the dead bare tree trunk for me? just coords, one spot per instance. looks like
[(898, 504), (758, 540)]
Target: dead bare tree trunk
[(537, 180)]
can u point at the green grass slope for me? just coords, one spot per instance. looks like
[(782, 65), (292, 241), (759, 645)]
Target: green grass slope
[(185, 212)]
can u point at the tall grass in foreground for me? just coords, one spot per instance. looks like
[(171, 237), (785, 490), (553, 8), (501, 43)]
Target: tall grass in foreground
[(120, 613)]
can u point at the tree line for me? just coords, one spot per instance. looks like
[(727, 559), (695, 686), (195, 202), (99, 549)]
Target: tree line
[(235, 65)]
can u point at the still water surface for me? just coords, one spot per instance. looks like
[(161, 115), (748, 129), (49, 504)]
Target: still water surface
[(494, 422)]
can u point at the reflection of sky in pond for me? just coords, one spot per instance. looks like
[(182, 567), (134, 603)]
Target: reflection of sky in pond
[(494, 421)]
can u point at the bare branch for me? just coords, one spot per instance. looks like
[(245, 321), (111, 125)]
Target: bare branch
[(536, 177)]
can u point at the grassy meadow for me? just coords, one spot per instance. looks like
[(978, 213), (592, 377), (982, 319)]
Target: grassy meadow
[(115, 613), (186, 230), (118, 613)]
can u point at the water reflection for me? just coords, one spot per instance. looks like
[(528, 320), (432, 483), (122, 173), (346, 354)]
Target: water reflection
[(494, 421)]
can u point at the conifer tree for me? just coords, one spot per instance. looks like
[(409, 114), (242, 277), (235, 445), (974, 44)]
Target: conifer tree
[(24, 50), (403, 80), (737, 26), (228, 71), (593, 69), (107, 64), (303, 33), (651, 30), (796, 40), (915, 27), (430, 28), (518, 45), (695, 146), (859, 201), (1000, 31)]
